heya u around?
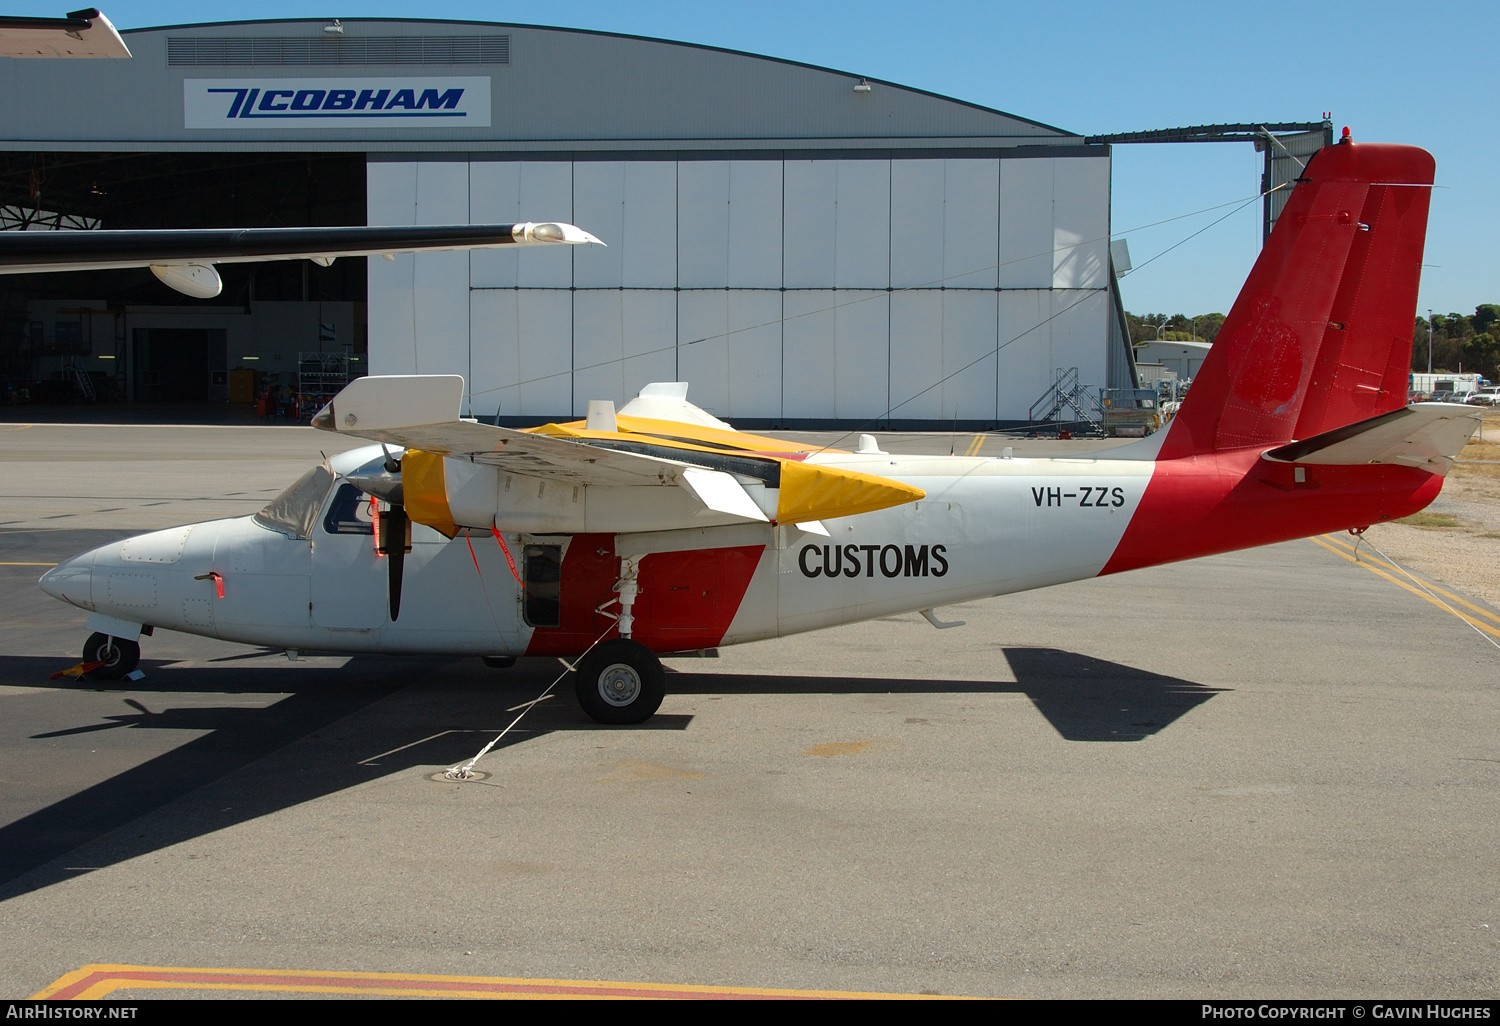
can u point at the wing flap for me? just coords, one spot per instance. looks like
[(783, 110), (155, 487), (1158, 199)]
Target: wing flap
[(721, 493)]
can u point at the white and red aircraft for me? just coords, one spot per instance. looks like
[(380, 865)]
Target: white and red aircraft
[(658, 528)]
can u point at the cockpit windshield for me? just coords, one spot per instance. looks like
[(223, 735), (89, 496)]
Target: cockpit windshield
[(295, 511)]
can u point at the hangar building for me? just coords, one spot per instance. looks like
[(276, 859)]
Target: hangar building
[(804, 246)]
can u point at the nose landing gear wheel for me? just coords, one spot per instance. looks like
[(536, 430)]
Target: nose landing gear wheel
[(118, 655), (620, 682)]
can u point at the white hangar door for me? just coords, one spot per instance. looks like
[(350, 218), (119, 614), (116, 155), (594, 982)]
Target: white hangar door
[(787, 288)]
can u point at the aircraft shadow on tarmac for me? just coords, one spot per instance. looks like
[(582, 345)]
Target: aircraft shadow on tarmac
[(443, 720), (1085, 699)]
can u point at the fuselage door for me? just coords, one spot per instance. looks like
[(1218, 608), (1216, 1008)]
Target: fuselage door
[(349, 588)]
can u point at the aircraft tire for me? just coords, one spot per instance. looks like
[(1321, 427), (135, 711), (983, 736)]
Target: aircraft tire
[(620, 682), (118, 655), (499, 662)]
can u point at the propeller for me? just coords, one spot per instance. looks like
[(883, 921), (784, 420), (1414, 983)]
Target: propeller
[(394, 543), (382, 479)]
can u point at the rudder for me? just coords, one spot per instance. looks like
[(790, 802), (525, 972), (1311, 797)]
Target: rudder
[(1320, 335)]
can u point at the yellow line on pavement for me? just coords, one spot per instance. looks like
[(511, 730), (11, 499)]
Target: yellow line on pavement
[(1471, 621), (973, 449), (28, 564), (1441, 591), (93, 982)]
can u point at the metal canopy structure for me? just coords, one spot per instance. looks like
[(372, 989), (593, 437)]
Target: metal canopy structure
[(1287, 146)]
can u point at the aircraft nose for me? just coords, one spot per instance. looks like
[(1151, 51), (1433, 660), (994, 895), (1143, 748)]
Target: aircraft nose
[(72, 580)]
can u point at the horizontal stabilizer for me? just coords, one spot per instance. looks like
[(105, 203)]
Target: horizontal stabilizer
[(1428, 435)]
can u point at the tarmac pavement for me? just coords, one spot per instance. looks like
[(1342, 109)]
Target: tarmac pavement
[(1266, 774)]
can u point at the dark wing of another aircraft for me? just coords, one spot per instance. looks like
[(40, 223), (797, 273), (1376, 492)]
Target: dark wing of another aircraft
[(184, 258), (84, 33)]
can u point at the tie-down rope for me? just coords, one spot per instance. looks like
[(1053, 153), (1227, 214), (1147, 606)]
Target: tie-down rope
[(466, 771), (1359, 538)]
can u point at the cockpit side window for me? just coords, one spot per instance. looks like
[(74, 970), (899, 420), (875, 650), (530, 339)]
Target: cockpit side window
[(349, 512), (295, 511)]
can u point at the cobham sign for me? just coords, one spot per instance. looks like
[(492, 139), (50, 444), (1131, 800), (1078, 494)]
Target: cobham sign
[(336, 102)]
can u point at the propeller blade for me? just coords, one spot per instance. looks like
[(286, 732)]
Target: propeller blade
[(395, 543), (396, 566)]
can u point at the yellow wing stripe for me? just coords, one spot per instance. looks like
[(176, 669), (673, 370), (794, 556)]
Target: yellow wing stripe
[(673, 433), (808, 491), (811, 492)]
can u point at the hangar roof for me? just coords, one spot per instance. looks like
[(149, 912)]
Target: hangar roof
[(519, 87)]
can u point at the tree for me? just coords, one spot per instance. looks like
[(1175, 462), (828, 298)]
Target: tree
[(1173, 327), (1482, 353), (1450, 334)]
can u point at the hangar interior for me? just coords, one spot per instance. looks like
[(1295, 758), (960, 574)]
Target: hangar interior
[(138, 340), (804, 246)]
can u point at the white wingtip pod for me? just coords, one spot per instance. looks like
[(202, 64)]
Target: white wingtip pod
[(201, 281), (535, 233)]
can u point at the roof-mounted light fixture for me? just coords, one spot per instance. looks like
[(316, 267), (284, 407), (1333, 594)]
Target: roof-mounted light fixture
[(862, 86), (334, 28)]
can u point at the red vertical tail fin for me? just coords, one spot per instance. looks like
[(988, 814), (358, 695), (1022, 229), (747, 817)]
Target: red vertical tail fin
[(1321, 333)]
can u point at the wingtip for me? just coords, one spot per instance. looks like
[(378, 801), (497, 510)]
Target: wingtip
[(553, 232)]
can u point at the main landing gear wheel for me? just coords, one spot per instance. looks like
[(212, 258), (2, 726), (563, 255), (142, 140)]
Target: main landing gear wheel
[(620, 682), (118, 655)]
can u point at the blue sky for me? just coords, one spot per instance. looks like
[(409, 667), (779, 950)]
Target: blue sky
[(1389, 72)]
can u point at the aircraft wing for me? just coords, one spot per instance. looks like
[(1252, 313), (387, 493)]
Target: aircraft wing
[(521, 452), (1427, 435), (421, 413), (85, 33), (184, 258)]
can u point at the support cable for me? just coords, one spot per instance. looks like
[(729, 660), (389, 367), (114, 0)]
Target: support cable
[(466, 771)]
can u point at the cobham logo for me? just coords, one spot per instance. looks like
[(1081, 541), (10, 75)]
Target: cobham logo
[(336, 103), (865, 560)]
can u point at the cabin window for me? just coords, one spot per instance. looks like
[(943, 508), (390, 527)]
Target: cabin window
[(349, 512), (543, 575)]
